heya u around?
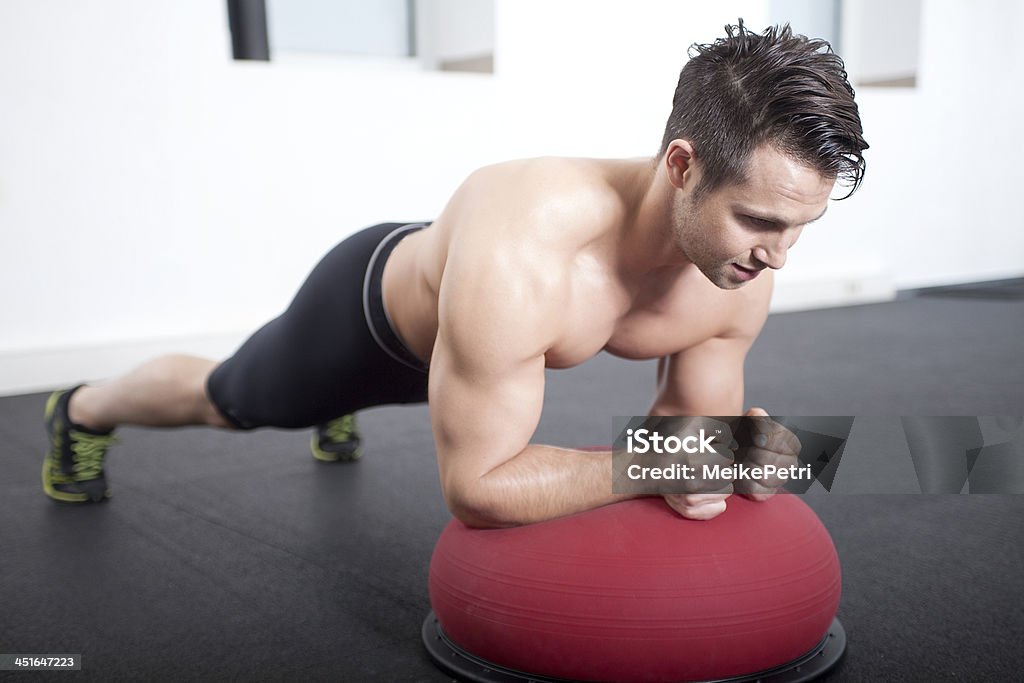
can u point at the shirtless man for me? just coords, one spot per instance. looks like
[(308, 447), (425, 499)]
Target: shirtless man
[(532, 264)]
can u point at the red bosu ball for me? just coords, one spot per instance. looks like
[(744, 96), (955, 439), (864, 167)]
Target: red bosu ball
[(634, 592)]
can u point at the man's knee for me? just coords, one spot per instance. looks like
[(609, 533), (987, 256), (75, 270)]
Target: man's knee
[(212, 416), (209, 412)]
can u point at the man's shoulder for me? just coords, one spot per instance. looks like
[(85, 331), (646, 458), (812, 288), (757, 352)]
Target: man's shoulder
[(553, 166), (550, 188)]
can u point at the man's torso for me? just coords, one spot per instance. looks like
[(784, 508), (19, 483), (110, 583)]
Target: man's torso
[(558, 224)]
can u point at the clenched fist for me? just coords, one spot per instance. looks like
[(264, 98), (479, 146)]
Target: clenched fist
[(773, 444)]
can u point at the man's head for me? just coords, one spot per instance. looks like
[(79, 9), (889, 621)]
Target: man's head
[(762, 127), (739, 229), (775, 89)]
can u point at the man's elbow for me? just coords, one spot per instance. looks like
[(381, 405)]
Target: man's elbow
[(474, 505), (477, 517)]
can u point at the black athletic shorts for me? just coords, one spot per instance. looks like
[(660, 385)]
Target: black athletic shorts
[(333, 352)]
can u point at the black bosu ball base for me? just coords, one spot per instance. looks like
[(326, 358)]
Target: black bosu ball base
[(467, 667)]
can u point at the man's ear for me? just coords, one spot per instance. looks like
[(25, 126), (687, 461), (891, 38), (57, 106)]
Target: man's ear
[(681, 161)]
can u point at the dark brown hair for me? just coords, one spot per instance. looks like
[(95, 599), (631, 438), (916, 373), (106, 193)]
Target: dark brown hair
[(775, 88)]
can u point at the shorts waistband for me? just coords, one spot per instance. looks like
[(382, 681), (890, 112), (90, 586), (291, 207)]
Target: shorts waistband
[(377, 318)]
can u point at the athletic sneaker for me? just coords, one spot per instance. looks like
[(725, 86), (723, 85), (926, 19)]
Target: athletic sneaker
[(337, 440), (73, 467)]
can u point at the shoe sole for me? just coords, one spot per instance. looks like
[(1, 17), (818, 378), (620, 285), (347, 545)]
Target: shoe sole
[(324, 456)]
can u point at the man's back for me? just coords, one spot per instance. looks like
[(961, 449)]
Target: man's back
[(569, 236)]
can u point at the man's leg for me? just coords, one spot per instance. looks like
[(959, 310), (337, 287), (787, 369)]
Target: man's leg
[(169, 391), (338, 440), (165, 392), (315, 362)]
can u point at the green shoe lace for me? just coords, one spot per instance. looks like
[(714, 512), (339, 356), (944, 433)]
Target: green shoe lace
[(341, 429), (89, 450)]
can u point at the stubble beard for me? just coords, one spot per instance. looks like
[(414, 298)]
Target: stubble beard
[(686, 221)]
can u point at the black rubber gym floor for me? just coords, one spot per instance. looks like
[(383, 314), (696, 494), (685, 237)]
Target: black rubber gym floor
[(238, 557)]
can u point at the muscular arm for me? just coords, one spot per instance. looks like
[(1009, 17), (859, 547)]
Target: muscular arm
[(486, 393), (704, 380), (707, 379)]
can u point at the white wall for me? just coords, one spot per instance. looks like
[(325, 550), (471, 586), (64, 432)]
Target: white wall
[(596, 77), (940, 202), (153, 189), (154, 194), (883, 39), (338, 26), (814, 18), (450, 30)]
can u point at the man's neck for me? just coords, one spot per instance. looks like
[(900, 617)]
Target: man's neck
[(646, 240)]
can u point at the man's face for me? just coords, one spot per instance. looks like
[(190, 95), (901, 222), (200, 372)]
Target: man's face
[(734, 232)]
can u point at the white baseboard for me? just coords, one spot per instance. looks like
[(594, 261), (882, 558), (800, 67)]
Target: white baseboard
[(32, 370), (828, 292)]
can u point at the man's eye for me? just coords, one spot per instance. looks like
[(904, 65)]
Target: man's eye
[(760, 222)]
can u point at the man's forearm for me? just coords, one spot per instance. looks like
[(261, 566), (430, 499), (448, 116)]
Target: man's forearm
[(542, 482)]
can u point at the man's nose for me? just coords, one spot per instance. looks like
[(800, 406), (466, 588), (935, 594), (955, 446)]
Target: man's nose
[(772, 252), (772, 255)]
